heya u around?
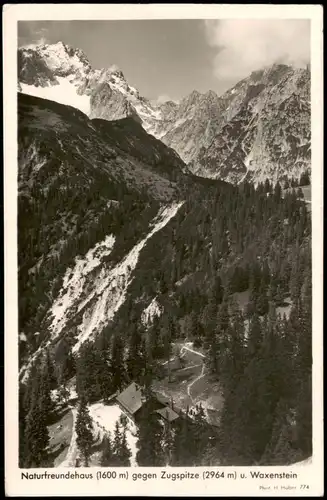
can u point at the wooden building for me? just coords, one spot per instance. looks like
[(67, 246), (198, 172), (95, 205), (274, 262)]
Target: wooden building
[(133, 403), (131, 400)]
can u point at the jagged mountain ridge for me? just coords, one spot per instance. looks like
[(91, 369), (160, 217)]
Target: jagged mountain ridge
[(258, 129)]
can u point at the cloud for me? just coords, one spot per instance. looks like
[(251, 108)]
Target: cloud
[(163, 98), (114, 68), (38, 41), (31, 34), (245, 45)]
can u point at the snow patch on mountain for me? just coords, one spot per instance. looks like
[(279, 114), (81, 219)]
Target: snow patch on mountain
[(105, 417), (64, 92)]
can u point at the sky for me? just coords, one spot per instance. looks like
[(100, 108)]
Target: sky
[(168, 59)]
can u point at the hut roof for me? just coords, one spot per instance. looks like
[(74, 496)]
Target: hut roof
[(168, 414), (131, 398)]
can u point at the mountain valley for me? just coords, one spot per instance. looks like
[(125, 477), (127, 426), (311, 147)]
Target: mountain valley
[(140, 227)]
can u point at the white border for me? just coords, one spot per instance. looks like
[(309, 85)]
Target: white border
[(311, 474)]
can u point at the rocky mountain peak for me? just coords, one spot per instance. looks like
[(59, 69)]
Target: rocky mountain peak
[(59, 58), (264, 130), (193, 97), (116, 71)]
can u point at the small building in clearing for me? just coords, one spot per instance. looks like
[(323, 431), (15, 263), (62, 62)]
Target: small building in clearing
[(132, 403), (131, 400), (167, 414)]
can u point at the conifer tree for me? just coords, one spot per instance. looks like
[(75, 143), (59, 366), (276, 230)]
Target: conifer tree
[(117, 363), (84, 431), (209, 456), (168, 440), (116, 443), (36, 432), (254, 336), (237, 344), (135, 358), (209, 321), (124, 453), (262, 304), (152, 340), (107, 459), (213, 345), (50, 371), (279, 429), (103, 348), (167, 335), (183, 444), (90, 373), (223, 319), (36, 438), (66, 361), (31, 384), (44, 391), (63, 393), (295, 280), (217, 291), (303, 415), (22, 424), (284, 453), (150, 437), (200, 433)]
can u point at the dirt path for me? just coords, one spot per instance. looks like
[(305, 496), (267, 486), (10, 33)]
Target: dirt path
[(202, 374), (191, 350), (189, 367)]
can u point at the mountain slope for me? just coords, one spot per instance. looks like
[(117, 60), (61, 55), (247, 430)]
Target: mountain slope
[(196, 120), (87, 188), (77, 185), (265, 131)]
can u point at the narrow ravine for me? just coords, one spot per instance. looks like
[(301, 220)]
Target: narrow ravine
[(72, 452)]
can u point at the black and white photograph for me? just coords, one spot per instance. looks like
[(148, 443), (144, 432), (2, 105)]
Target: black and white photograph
[(164, 243)]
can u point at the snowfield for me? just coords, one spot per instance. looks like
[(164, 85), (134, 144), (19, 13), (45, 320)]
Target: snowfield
[(105, 418), (64, 93)]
